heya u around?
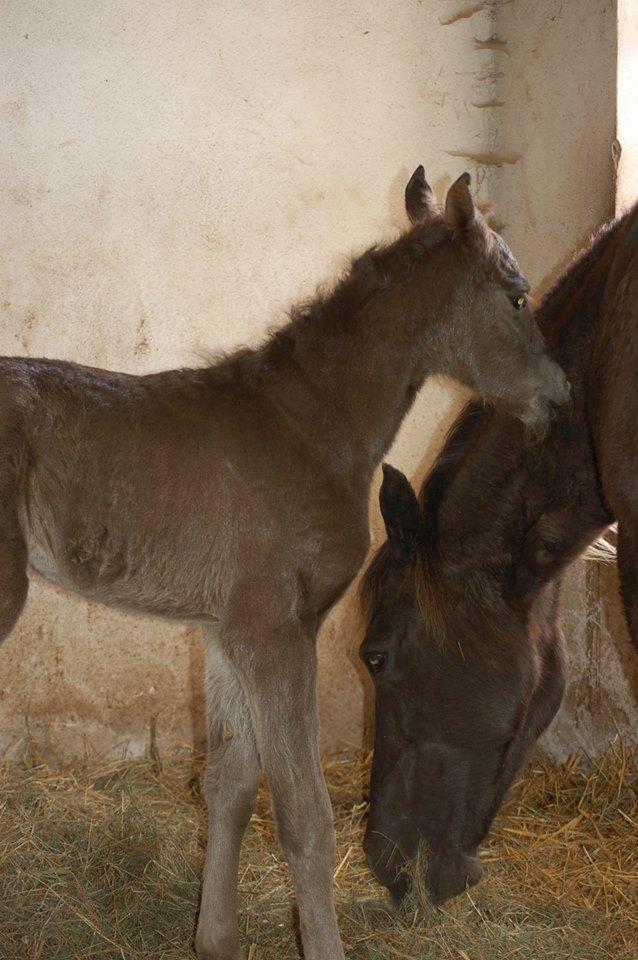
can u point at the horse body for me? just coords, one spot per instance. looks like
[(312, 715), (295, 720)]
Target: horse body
[(236, 496), (463, 641)]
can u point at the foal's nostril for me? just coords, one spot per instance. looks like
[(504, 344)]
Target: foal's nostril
[(557, 401), (561, 388)]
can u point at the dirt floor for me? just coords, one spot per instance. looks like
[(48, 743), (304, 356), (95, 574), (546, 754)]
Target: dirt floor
[(103, 861)]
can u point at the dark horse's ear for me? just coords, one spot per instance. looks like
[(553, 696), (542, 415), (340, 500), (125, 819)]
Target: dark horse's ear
[(400, 512), (420, 202), (462, 217)]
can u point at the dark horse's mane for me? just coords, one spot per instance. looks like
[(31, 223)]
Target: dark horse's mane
[(553, 316), (557, 307)]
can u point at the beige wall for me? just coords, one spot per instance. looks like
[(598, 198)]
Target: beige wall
[(558, 89), (173, 176), (626, 145)]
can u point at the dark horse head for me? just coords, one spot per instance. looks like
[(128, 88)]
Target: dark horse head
[(463, 642)]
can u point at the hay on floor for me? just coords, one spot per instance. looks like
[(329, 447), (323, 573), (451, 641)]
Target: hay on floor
[(103, 861)]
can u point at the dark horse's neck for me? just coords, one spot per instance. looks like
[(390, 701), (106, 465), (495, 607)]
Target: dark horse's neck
[(346, 368), (505, 515)]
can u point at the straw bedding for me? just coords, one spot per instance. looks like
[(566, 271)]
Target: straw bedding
[(103, 861)]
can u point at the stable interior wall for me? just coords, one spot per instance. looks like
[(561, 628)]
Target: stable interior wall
[(173, 178)]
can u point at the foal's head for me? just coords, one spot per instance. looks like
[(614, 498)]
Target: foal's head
[(488, 339), (464, 684)]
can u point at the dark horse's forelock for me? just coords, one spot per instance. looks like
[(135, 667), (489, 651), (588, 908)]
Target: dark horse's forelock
[(425, 571), (424, 568), (373, 580)]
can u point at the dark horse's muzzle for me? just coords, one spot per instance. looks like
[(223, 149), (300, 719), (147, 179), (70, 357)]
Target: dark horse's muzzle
[(451, 873), (445, 873)]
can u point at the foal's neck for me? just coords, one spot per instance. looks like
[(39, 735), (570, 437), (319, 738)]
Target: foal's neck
[(346, 370)]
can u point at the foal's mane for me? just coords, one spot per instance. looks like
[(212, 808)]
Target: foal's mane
[(330, 309)]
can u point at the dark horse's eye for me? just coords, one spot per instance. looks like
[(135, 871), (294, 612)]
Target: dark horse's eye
[(374, 661), (520, 302)]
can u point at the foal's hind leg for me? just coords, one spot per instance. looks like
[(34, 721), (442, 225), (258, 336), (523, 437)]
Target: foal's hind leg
[(278, 671), (230, 785)]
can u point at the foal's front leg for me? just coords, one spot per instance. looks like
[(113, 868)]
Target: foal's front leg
[(279, 678), (230, 785)]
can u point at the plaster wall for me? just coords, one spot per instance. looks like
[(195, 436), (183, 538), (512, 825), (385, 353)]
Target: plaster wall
[(626, 145), (172, 176)]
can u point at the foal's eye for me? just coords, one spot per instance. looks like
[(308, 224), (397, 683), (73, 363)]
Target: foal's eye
[(374, 661), (519, 302)]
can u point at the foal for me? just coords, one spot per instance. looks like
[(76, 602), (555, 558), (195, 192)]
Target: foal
[(236, 496)]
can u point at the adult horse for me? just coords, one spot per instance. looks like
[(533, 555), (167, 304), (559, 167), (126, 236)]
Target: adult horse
[(236, 496), (463, 640)]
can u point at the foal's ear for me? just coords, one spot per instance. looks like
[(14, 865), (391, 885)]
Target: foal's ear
[(400, 512), (420, 202), (461, 215)]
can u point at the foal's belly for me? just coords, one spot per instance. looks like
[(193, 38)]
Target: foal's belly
[(191, 603), (189, 562)]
